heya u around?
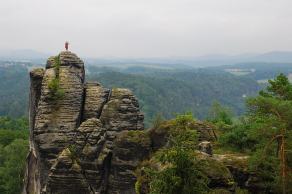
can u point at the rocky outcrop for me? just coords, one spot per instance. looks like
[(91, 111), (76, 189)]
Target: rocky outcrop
[(122, 111), (95, 98), (131, 147), (74, 128), (159, 135), (87, 139), (32, 174), (227, 173)]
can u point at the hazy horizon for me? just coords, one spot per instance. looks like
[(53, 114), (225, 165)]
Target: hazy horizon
[(147, 28)]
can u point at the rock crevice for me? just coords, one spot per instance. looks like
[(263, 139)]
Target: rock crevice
[(73, 136)]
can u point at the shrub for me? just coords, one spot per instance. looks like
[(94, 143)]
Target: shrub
[(157, 121), (73, 151), (54, 85), (55, 91), (180, 171), (239, 138)]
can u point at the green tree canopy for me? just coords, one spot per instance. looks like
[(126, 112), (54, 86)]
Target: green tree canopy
[(181, 171), (271, 116)]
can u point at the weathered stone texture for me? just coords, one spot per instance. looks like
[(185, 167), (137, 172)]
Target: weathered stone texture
[(130, 148), (206, 147), (95, 98), (73, 134), (67, 58), (122, 112), (32, 173), (56, 120)]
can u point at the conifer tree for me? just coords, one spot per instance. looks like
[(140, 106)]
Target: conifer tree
[(271, 114)]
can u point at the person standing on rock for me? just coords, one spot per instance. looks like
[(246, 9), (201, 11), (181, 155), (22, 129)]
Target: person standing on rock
[(66, 45)]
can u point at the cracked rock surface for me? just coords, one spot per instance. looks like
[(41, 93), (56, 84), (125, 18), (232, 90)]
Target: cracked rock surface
[(76, 128)]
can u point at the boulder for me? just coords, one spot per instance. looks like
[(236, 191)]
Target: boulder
[(206, 147)]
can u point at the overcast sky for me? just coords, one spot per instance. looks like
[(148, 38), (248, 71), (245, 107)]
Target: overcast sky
[(147, 28)]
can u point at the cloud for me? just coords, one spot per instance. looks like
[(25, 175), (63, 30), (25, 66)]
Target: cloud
[(147, 28)]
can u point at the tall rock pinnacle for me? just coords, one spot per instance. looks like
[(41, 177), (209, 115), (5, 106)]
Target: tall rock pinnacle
[(73, 127)]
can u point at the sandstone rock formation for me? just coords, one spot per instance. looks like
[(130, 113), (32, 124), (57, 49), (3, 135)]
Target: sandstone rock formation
[(87, 139), (226, 172), (74, 126)]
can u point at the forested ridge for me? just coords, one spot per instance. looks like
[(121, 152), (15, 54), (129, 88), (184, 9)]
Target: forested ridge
[(170, 93), (14, 90)]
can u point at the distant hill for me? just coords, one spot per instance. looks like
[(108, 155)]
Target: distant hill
[(163, 62), (201, 61), (256, 70), (23, 55), (273, 57)]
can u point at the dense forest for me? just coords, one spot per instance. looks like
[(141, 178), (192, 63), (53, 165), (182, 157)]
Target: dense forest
[(14, 90), (13, 150)]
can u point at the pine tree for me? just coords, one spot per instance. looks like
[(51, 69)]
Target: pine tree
[(271, 113)]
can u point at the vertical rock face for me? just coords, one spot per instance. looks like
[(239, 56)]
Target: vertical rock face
[(95, 98), (32, 175), (122, 111), (130, 148), (74, 127)]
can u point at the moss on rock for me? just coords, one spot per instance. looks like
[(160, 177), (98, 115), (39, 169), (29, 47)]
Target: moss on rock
[(218, 173), (141, 138)]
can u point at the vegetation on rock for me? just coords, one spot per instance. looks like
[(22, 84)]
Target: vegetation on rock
[(261, 139), (54, 85), (179, 171), (220, 115)]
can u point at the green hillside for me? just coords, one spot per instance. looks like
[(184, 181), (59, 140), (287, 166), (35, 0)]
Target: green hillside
[(14, 89), (170, 93)]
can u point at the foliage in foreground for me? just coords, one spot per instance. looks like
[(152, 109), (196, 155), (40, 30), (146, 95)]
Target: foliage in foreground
[(179, 171), (266, 134), (271, 112), (220, 115), (12, 166), (13, 151), (13, 124)]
